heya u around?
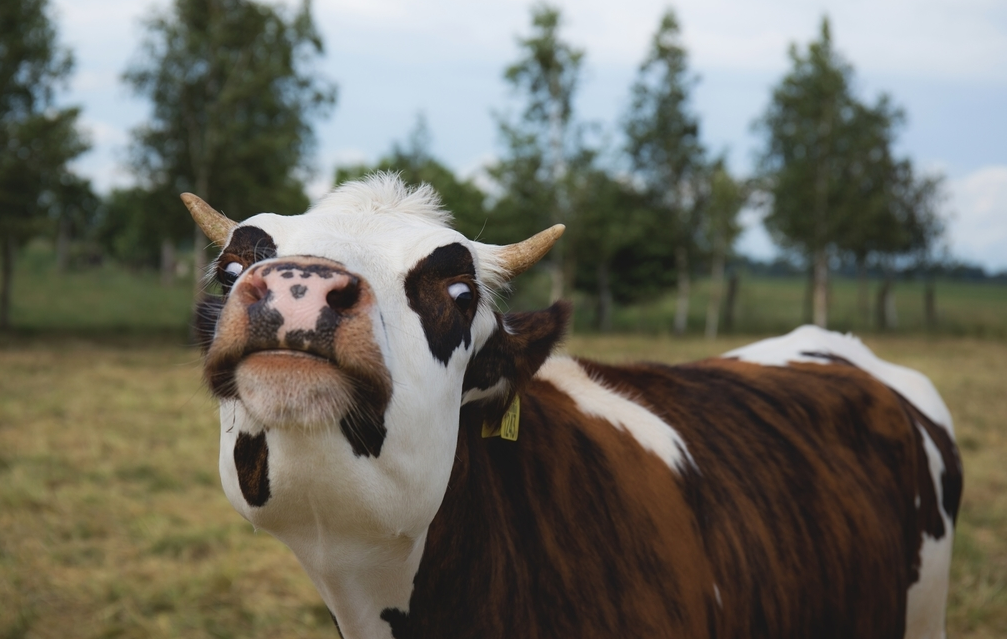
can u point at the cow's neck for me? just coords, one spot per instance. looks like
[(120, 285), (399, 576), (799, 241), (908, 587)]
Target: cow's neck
[(360, 579)]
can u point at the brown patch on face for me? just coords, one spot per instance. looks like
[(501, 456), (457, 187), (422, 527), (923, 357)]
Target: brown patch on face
[(251, 459), (446, 322), (248, 245)]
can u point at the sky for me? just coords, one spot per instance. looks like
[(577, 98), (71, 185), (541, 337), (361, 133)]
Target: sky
[(943, 61)]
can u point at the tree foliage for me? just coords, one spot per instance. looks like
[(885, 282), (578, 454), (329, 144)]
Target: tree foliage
[(38, 138), (416, 165), (663, 146), (836, 187), (233, 97), (541, 145)]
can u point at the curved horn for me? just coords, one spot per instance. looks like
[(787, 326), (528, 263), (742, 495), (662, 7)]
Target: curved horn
[(518, 258), (215, 225)]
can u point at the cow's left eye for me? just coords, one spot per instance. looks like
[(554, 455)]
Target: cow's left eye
[(461, 293)]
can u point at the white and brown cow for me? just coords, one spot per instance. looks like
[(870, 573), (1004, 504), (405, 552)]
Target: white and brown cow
[(798, 487)]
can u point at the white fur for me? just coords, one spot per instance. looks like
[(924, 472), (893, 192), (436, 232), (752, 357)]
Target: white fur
[(913, 385), (593, 398), (927, 598)]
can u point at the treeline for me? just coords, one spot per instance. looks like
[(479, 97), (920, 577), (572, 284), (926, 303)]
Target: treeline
[(234, 90)]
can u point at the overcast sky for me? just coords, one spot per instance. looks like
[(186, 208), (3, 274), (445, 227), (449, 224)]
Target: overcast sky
[(943, 61)]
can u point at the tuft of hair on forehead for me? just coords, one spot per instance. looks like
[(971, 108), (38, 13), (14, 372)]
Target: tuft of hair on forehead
[(385, 192)]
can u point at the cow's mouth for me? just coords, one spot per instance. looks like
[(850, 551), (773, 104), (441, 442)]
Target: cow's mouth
[(282, 387)]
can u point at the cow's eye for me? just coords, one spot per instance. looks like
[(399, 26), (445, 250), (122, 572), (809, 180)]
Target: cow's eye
[(461, 293), (229, 275)]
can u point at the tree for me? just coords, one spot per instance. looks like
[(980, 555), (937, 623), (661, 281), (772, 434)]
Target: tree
[(808, 130), (663, 145), (416, 165), (533, 175), (616, 226), (38, 139), (233, 97), (836, 187), (720, 228)]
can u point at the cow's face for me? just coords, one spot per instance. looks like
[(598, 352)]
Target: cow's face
[(345, 345)]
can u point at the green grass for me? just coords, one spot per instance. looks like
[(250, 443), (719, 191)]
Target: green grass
[(770, 305), (113, 523), (106, 300), (113, 301)]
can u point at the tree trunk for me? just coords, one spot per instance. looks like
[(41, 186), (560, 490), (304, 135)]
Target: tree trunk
[(6, 269), (885, 306), (682, 301), (930, 303), (809, 288), (863, 295), (62, 244), (604, 298), (729, 302), (891, 314), (169, 262), (820, 310), (716, 289)]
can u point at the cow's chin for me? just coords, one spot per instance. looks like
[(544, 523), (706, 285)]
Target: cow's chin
[(291, 389)]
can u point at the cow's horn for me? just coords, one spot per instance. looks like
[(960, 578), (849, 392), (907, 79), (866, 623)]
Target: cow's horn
[(518, 258), (214, 225)]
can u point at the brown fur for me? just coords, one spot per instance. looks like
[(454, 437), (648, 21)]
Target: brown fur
[(800, 508)]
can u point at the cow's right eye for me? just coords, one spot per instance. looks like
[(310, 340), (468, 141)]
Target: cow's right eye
[(229, 274), (461, 293)]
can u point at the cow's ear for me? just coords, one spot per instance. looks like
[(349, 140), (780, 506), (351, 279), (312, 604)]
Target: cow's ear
[(512, 355)]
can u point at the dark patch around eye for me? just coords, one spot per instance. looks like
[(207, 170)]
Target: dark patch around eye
[(251, 459), (445, 325), (248, 245)]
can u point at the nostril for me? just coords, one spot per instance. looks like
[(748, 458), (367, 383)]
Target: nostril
[(254, 288), (343, 298)]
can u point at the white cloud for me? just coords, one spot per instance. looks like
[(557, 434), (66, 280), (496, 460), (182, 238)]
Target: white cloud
[(978, 231)]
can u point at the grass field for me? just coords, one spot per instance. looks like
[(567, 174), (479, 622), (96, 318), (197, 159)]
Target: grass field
[(111, 301), (113, 524)]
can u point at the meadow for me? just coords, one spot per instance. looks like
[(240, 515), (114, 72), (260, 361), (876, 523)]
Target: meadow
[(113, 523)]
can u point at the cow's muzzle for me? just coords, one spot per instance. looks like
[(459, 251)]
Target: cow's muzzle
[(294, 341)]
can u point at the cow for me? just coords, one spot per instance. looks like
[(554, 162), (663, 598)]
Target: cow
[(440, 472)]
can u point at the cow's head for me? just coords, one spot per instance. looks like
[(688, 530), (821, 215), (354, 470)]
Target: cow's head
[(344, 347)]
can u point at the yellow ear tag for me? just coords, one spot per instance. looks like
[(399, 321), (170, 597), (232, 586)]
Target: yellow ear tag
[(508, 425)]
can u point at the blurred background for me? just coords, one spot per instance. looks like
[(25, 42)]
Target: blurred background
[(725, 170)]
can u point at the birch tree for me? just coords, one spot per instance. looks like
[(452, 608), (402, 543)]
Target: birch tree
[(663, 145)]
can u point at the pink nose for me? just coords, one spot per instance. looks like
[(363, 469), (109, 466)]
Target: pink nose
[(298, 302)]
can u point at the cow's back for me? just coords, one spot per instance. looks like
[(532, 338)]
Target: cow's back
[(812, 489), (793, 501)]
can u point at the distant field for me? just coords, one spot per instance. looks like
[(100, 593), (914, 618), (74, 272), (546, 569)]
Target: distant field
[(111, 300), (113, 523)]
